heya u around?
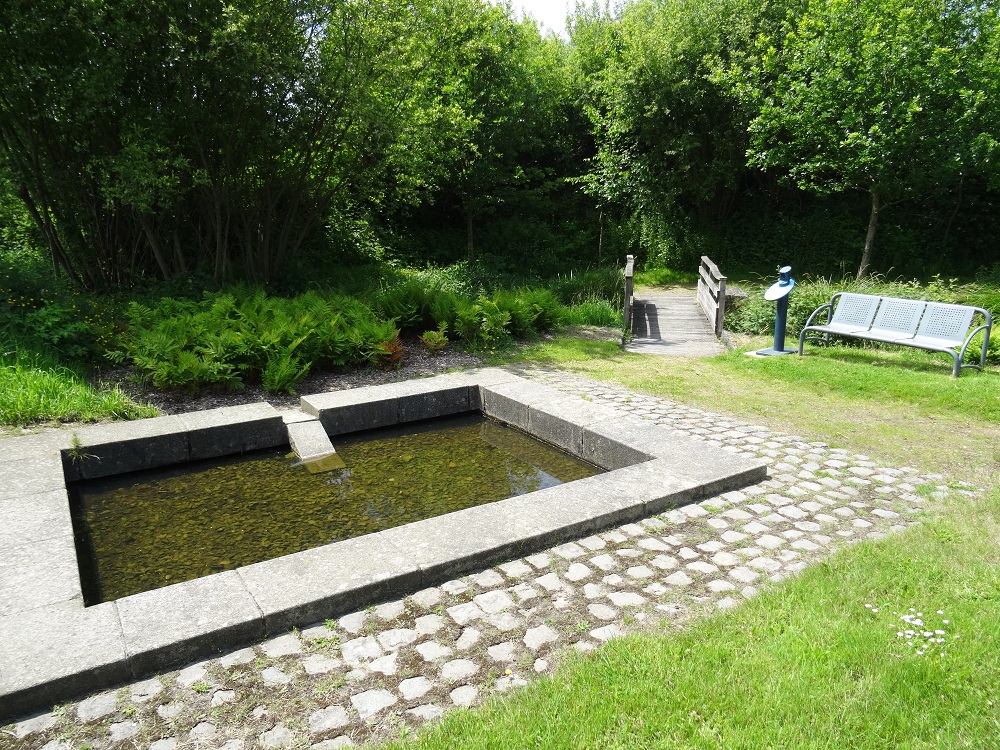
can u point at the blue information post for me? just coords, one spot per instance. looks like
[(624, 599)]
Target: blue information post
[(778, 291)]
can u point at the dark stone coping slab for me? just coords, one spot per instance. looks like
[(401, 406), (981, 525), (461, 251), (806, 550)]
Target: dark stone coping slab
[(110, 449), (55, 649)]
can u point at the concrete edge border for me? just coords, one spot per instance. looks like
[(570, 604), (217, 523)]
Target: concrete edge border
[(59, 649)]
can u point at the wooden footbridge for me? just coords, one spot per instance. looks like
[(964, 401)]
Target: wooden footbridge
[(677, 321)]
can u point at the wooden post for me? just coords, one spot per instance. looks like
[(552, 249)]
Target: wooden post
[(629, 262)]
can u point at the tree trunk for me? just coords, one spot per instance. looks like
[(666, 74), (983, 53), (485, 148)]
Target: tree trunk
[(470, 246), (866, 258), (600, 236), (154, 243)]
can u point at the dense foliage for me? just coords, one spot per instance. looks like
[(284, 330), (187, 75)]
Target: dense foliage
[(277, 141)]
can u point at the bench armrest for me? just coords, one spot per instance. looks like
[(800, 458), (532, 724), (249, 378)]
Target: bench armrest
[(829, 312), (985, 327)]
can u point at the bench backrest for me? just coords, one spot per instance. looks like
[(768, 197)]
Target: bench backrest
[(948, 323), (855, 310), (898, 316)]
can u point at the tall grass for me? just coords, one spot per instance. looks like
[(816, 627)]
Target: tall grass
[(592, 312), (34, 389)]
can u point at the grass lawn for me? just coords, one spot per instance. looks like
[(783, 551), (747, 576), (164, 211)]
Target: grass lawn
[(901, 406), (805, 664)]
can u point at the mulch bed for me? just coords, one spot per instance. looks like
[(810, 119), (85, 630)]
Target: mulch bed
[(416, 362)]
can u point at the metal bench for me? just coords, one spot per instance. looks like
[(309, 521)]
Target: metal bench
[(932, 326)]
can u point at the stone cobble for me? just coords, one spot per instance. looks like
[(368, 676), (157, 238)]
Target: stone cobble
[(369, 674)]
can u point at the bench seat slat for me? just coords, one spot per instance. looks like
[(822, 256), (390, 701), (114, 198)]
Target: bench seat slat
[(840, 328), (854, 313), (931, 342), (896, 318)]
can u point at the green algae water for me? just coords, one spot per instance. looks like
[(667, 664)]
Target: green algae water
[(149, 529)]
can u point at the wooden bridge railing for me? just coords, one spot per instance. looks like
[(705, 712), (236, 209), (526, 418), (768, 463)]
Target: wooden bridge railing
[(712, 293), (629, 288)]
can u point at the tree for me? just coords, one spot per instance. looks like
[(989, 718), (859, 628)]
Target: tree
[(515, 94), (880, 96), (669, 124), (157, 136)]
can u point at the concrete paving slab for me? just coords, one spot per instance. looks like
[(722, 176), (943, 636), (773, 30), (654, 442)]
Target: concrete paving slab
[(34, 445), (32, 475), (446, 546), (32, 518), (352, 410), (439, 396), (561, 422), (509, 401), (39, 574), (617, 443), (187, 621), (54, 653), (233, 429), (109, 449), (309, 440), (328, 581), (480, 378)]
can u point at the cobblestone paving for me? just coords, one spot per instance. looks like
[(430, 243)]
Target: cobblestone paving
[(406, 662)]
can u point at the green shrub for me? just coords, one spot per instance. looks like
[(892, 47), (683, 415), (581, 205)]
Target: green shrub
[(548, 309), (404, 303), (482, 324), (435, 341), (597, 283), (595, 312), (520, 311), (241, 333)]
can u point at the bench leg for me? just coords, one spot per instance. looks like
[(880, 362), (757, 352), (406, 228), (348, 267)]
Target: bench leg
[(958, 364)]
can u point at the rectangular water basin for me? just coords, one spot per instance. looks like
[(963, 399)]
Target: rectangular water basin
[(52, 647), (148, 529)]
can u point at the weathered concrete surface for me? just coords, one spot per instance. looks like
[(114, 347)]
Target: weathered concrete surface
[(233, 429), (309, 440), (38, 574), (353, 410), (315, 583), (509, 401), (386, 405), (34, 445), (188, 620), (110, 449), (31, 475), (32, 518), (53, 653), (561, 421)]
